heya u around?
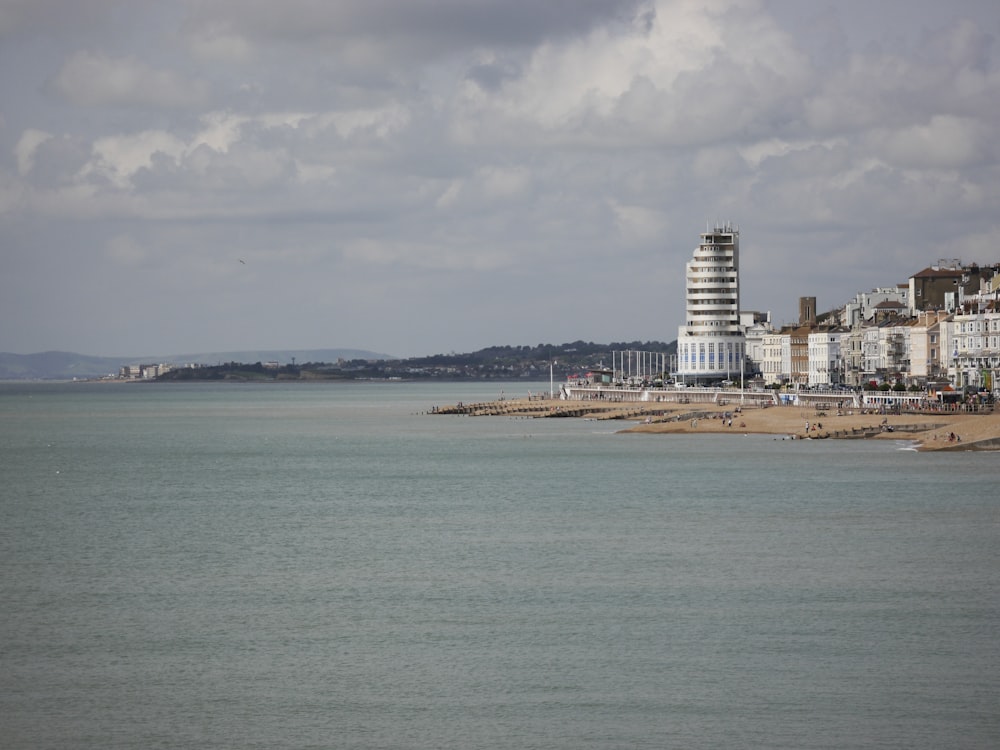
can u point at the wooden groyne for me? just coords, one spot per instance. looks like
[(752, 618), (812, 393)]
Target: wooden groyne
[(932, 431), (554, 409), (593, 410), (873, 430)]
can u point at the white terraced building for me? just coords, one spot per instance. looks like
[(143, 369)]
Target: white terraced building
[(711, 345)]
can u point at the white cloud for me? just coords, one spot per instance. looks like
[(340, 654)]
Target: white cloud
[(695, 73), (26, 148), (237, 153), (945, 142), (219, 131), (97, 79), (487, 188), (214, 43), (117, 158), (638, 223)]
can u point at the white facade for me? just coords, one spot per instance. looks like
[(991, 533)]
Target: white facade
[(975, 338), (871, 352), (861, 309), (773, 368), (825, 364), (928, 356), (885, 351), (711, 344)]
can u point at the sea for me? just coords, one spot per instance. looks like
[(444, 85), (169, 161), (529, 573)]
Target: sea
[(331, 565)]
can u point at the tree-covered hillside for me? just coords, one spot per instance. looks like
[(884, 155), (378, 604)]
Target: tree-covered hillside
[(492, 363)]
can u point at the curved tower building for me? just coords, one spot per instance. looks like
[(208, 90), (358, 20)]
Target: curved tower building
[(711, 345)]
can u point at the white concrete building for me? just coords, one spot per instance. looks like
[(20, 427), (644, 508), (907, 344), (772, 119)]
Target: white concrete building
[(825, 364), (756, 326), (928, 358), (895, 344), (775, 363), (975, 354), (711, 344), (871, 351), (862, 309)]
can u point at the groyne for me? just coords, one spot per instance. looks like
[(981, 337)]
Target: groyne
[(931, 430)]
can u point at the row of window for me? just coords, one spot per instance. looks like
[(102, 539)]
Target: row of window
[(979, 326), (977, 342), (709, 356)]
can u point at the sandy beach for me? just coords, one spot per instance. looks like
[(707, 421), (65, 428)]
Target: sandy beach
[(929, 430)]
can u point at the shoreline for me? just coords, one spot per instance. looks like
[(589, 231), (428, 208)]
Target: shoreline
[(929, 431)]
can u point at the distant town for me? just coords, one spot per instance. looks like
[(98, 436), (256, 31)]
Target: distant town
[(502, 363)]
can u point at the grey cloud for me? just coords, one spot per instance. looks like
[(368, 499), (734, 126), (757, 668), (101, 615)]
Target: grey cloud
[(91, 80), (431, 26), (55, 18), (491, 76), (56, 161), (426, 162)]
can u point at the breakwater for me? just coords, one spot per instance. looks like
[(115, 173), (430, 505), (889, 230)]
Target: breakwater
[(554, 408)]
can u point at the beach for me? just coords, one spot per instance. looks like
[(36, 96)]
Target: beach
[(930, 430)]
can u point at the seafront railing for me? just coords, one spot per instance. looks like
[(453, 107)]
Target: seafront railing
[(689, 395)]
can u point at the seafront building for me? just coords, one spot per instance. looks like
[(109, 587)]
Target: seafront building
[(142, 371), (942, 324), (975, 353), (711, 345), (883, 337), (824, 361), (866, 307), (925, 345), (940, 327)]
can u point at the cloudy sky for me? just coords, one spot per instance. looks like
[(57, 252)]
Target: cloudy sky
[(424, 176)]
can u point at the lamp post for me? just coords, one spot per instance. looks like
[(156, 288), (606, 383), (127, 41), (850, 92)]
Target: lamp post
[(742, 375), (552, 382)]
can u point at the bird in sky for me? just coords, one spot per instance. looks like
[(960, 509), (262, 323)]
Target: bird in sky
[(243, 261)]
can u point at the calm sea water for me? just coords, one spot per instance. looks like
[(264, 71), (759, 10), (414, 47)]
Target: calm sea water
[(326, 566)]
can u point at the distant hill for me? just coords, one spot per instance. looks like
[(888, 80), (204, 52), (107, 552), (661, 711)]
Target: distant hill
[(69, 365), (495, 362), (55, 366), (281, 356), (508, 363)]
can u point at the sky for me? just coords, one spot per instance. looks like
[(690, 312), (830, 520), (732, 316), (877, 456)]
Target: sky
[(415, 177)]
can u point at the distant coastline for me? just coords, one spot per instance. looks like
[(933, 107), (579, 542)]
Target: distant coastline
[(493, 363), (67, 366)]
